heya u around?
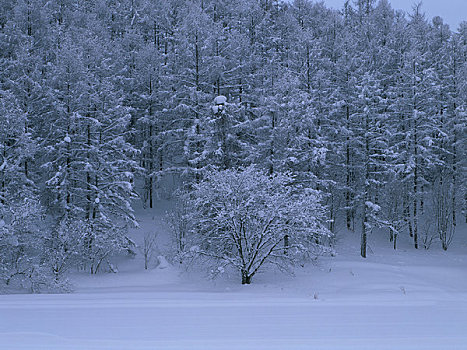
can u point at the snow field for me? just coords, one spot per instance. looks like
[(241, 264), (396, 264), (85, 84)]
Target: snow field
[(402, 299)]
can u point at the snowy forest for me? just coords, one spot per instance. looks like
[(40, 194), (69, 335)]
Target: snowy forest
[(277, 123)]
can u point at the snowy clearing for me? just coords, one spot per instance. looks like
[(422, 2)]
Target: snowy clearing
[(227, 321), (419, 301)]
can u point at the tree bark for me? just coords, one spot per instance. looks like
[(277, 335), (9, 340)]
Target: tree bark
[(348, 195), (246, 278)]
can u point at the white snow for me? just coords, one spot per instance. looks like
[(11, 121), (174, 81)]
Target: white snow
[(402, 299), (215, 109), (220, 100), (163, 263)]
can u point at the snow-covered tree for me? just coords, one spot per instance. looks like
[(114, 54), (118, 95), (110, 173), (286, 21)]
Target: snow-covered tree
[(372, 145), (21, 245), (21, 214), (89, 163), (247, 219)]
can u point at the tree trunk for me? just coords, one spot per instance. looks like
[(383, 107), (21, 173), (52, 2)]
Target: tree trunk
[(364, 236), (366, 191), (88, 175), (454, 180), (2, 176), (271, 145), (348, 210), (415, 201), (332, 216), (246, 278), (394, 238), (151, 151), (415, 154)]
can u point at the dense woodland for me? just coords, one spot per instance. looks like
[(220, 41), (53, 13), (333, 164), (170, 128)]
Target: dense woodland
[(102, 101)]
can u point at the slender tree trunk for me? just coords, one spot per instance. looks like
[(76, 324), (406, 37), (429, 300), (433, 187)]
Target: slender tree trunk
[(332, 216), (308, 69), (2, 174), (151, 150), (363, 239), (197, 58), (88, 176), (68, 169), (348, 210), (415, 190), (454, 180), (156, 36), (416, 160), (26, 163), (366, 191), (271, 145), (150, 163), (96, 207)]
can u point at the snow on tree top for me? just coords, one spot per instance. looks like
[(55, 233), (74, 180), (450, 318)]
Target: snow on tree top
[(220, 100)]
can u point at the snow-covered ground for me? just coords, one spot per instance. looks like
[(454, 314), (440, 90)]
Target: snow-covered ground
[(402, 299)]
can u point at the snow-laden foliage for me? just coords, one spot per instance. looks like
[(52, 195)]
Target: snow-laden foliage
[(101, 100), (21, 247), (248, 219)]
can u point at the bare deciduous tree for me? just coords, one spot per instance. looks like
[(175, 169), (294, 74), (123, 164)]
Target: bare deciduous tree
[(148, 249)]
